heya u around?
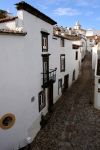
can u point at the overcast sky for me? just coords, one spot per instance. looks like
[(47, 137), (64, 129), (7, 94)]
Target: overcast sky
[(65, 12)]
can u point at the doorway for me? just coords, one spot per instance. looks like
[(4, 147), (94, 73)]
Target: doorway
[(50, 97), (66, 81), (73, 76)]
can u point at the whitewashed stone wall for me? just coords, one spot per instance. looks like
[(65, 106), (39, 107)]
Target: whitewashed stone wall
[(21, 79)]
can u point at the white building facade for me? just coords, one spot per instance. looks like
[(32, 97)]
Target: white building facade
[(36, 66), (97, 80)]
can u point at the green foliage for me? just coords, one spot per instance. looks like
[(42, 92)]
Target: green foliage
[(3, 14)]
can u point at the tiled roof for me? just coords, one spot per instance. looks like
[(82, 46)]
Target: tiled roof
[(95, 37), (68, 37), (91, 37), (7, 19), (12, 32), (24, 6)]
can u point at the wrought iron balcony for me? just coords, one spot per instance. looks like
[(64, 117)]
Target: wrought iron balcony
[(49, 77)]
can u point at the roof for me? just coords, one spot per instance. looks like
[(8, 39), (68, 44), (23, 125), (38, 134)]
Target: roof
[(25, 6), (95, 37), (12, 32), (91, 37), (7, 19), (69, 37)]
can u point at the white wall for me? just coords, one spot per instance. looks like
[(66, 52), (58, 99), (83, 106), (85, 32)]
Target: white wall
[(89, 32), (96, 93), (97, 78), (96, 87), (21, 79), (20, 69), (70, 64), (8, 25), (94, 56)]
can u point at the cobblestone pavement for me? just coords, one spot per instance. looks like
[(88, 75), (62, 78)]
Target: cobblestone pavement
[(74, 124)]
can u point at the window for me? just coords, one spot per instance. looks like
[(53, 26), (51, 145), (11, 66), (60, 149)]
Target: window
[(45, 68), (42, 101), (7, 121), (76, 57), (98, 80), (59, 85), (62, 42), (75, 46), (44, 41), (62, 62)]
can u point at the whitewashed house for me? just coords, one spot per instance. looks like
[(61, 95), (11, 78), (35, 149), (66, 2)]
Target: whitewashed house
[(78, 30), (93, 40), (96, 68), (91, 37), (36, 65), (96, 40), (97, 80)]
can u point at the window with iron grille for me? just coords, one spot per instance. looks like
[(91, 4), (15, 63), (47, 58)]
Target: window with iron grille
[(62, 62), (42, 101), (44, 41)]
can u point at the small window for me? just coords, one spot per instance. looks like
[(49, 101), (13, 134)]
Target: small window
[(76, 57), (98, 80), (44, 42), (62, 62), (75, 46), (98, 90), (42, 101), (59, 85), (62, 42), (7, 121)]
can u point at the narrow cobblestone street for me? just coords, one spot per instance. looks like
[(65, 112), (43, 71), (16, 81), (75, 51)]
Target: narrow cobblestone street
[(74, 124)]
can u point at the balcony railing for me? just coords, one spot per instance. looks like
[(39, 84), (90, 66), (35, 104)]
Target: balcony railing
[(49, 77)]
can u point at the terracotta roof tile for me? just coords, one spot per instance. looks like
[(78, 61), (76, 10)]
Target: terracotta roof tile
[(68, 37)]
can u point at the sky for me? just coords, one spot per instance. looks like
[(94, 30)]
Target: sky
[(65, 12)]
